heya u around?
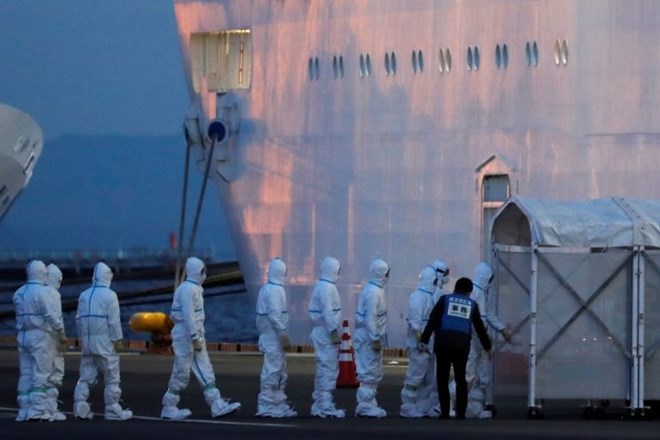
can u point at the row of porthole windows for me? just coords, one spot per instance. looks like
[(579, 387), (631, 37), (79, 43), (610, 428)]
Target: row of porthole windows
[(444, 60)]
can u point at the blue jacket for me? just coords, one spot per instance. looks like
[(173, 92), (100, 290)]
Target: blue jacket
[(451, 320)]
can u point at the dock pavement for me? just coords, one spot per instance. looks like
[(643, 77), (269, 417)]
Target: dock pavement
[(145, 376)]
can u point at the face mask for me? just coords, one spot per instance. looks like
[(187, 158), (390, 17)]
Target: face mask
[(445, 280)]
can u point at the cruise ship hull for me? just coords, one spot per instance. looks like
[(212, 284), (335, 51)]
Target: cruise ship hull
[(395, 129), (21, 143)]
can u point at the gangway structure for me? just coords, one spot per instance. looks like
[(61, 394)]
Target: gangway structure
[(578, 283)]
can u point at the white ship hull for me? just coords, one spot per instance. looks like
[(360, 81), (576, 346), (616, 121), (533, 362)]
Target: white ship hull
[(21, 142), (358, 158)]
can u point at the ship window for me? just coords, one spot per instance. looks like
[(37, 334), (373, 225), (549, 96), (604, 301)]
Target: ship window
[(390, 63), (30, 161), (413, 60), (532, 54), (561, 52), (501, 56), (420, 61), (387, 64), (444, 60), (362, 68), (368, 65), (473, 59), (335, 68), (495, 189), (341, 66), (223, 58), (313, 69), (393, 63), (21, 145)]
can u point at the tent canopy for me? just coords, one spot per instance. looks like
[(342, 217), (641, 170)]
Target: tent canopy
[(600, 223)]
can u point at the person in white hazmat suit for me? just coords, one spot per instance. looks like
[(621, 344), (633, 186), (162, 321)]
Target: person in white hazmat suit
[(370, 335), (272, 322), (37, 320), (58, 347), (189, 345), (442, 271), (325, 314), (419, 382), (478, 369), (99, 330)]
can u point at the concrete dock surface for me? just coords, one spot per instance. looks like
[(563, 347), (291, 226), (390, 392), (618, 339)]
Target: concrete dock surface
[(145, 377)]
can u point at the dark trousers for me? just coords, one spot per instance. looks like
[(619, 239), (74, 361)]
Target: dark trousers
[(445, 358)]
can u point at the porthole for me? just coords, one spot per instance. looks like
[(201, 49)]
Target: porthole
[(441, 60), (413, 61), (448, 61), (341, 66), (501, 56), (387, 64), (420, 61), (393, 63), (535, 54), (473, 58), (362, 68), (317, 68), (310, 69), (557, 52), (564, 47), (368, 65)]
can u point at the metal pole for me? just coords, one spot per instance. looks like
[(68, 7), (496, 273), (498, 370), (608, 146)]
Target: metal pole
[(201, 195), (532, 326), (182, 216)]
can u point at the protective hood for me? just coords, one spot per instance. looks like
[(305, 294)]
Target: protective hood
[(102, 275), (36, 271), (195, 270), (276, 271), (443, 275), (482, 275), (330, 269), (379, 272), (54, 276), (427, 279)]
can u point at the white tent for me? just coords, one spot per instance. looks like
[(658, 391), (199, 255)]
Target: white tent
[(578, 284)]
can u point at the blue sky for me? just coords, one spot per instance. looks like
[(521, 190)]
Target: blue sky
[(93, 67), (98, 68)]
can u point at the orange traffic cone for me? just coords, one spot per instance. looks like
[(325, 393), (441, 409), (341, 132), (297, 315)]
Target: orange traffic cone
[(347, 377)]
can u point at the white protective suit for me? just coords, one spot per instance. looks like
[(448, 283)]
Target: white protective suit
[(57, 346), (370, 336), (189, 344), (442, 271), (419, 382), (99, 330), (478, 369), (37, 320), (325, 314), (272, 322)]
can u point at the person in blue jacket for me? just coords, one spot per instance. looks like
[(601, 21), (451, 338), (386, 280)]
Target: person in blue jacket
[(451, 320)]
